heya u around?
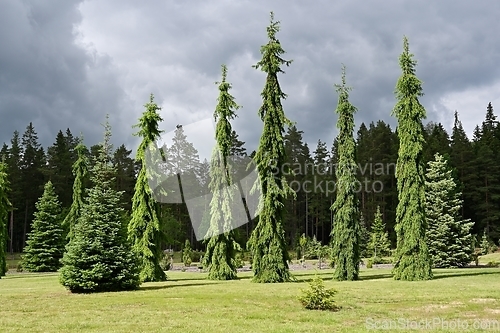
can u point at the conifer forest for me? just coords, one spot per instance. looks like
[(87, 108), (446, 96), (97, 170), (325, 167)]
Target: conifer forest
[(416, 193)]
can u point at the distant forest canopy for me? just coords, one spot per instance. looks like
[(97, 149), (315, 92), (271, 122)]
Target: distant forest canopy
[(475, 163)]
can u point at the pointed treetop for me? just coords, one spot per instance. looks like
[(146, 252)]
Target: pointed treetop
[(406, 60), (273, 27), (342, 88)]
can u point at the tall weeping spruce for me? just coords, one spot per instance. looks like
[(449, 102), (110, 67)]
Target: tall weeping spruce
[(81, 173), (267, 242), (222, 248), (346, 231), (412, 260), (4, 213), (144, 227)]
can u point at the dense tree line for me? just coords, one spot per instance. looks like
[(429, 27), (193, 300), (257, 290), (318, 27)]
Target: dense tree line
[(474, 161), (375, 181)]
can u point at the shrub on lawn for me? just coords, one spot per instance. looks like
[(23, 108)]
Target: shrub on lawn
[(492, 264), (317, 297), (187, 254)]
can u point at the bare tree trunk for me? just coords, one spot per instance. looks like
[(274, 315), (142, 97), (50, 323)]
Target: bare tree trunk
[(25, 224), (11, 232)]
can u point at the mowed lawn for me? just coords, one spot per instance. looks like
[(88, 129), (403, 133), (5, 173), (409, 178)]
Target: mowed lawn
[(187, 302)]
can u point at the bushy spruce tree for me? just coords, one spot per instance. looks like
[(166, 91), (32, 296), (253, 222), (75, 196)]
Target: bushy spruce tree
[(144, 227), (346, 233), (412, 260), (45, 245), (448, 236), (379, 239), (99, 257), (267, 242), (220, 255), (80, 171), (4, 214)]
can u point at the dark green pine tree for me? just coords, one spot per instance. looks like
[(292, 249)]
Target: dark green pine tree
[(267, 242), (81, 173), (220, 256), (346, 231), (126, 169), (5, 207), (448, 235), (32, 166), (462, 160), (412, 260), (45, 245), (99, 257), (58, 169), (144, 227), (379, 239)]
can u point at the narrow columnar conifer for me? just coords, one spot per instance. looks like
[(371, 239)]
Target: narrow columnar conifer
[(144, 228), (346, 232), (412, 260), (80, 171), (220, 255), (267, 242)]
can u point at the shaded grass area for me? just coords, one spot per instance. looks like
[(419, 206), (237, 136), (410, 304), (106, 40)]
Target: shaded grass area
[(188, 302)]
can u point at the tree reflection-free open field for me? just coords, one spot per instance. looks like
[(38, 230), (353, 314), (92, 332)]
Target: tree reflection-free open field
[(187, 302)]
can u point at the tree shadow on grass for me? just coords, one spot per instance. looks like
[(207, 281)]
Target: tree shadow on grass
[(468, 272), (167, 286), (375, 276)]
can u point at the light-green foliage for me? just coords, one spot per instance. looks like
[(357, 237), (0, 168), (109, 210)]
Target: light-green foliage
[(346, 231), (187, 254), (448, 236), (220, 256), (144, 228), (412, 260), (80, 171), (99, 257), (317, 297), (45, 245), (379, 245), (267, 242), (4, 213)]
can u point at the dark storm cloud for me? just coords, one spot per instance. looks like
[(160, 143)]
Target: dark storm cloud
[(124, 50), (45, 78)]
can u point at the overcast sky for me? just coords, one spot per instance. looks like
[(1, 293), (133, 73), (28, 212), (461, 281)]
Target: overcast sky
[(66, 63)]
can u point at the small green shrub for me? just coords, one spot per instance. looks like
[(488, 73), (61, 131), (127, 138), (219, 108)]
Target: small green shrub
[(492, 264), (239, 260), (317, 297), (166, 262), (187, 254), (369, 263), (197, 256), (379, 261)]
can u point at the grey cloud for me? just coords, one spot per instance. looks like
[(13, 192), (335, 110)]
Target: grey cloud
[(107, 56)]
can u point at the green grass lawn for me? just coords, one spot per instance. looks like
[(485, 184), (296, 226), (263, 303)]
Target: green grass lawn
[(190, 303)]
